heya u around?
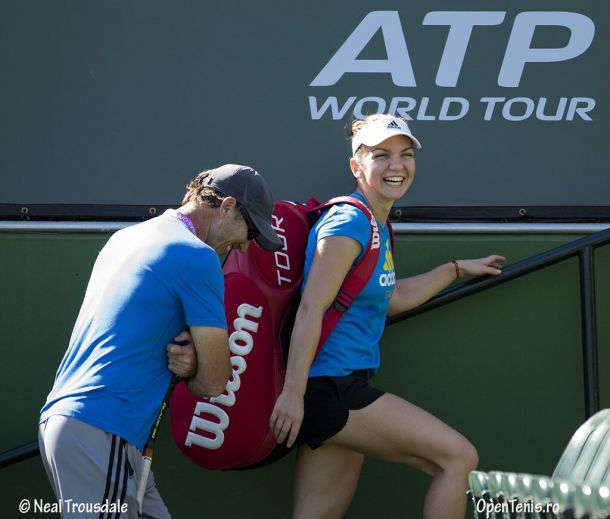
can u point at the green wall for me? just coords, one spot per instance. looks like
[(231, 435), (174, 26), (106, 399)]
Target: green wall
[(111, 102), (504, 367)]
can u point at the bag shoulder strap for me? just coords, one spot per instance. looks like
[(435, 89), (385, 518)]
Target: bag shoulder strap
[(358, 276)]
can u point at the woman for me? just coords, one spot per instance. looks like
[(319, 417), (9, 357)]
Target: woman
[(327, 405)]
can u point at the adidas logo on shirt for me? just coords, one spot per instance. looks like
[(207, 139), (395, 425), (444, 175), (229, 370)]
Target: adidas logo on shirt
[(388, 277), (389, 262)]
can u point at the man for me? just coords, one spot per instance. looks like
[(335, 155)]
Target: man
[(151, 283)]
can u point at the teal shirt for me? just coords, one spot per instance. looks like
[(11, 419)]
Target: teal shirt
[(354, 342)]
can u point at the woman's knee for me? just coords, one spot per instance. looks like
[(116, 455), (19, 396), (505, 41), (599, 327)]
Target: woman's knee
[(471, 456), (465, 456)]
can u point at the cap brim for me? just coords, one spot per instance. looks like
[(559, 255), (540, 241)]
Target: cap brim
[(377, 139), (267, 239)]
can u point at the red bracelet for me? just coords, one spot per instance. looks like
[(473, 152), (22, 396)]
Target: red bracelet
[(457, 269)]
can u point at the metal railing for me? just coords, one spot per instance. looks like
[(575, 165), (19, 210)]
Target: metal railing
[(18, 454), (42, 227), (583, 248)]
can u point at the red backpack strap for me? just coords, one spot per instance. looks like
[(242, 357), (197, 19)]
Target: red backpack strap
[(358, 276)]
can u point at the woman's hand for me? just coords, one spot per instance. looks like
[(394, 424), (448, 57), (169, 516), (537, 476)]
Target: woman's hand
[(181, 356), (478, 267), (287, 417)]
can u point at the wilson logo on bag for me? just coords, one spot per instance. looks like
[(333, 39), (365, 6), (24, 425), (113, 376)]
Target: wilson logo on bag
[(262, 291)]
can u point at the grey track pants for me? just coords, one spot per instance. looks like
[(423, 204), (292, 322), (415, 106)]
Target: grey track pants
[(94, 473)]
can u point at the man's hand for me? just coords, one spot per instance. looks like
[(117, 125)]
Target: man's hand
[(181, 356)]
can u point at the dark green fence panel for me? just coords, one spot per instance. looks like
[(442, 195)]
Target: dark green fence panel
[(504, 367)]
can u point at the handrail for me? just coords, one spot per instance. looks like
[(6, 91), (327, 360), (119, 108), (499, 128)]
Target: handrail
[(21, 453), (31, 226), (582, 247), (513, 271), (472, 228)]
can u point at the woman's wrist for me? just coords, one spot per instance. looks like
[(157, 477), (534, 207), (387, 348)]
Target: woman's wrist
[(295, 387), (457, 269)]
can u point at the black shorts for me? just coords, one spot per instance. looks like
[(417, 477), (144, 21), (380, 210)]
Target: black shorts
[(328, 401)]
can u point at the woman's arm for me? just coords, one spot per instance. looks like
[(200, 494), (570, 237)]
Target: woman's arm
[(333, 259), (413, 291)]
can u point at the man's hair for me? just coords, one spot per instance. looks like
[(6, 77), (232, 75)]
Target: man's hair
[(198, 192)]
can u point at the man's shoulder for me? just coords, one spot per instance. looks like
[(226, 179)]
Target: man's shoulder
[(165, 240)]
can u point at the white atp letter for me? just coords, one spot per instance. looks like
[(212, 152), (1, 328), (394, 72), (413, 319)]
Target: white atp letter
[(444, 114), (519, 52), (461, 25), (346, 59), (403, 111), (331, 104)]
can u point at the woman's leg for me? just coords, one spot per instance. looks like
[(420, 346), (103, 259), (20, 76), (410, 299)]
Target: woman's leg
[(395, 430), (325, 480)]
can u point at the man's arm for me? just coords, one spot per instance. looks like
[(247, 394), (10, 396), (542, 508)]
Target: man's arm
[(213, 361), (181, 356)]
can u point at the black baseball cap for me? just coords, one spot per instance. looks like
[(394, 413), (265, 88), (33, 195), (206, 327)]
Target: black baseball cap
[(251, 190)]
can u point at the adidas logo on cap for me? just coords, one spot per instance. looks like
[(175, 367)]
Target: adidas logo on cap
[(378, 130)]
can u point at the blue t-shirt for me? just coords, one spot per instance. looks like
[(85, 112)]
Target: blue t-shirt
[(150, 282), (354, 342)]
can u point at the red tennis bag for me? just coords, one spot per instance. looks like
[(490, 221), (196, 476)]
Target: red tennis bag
[(262, 292)]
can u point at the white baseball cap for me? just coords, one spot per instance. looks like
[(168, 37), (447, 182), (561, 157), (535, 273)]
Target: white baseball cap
[(374, 132)]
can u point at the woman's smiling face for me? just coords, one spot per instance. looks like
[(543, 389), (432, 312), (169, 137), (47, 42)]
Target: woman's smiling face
[(385, 171)]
